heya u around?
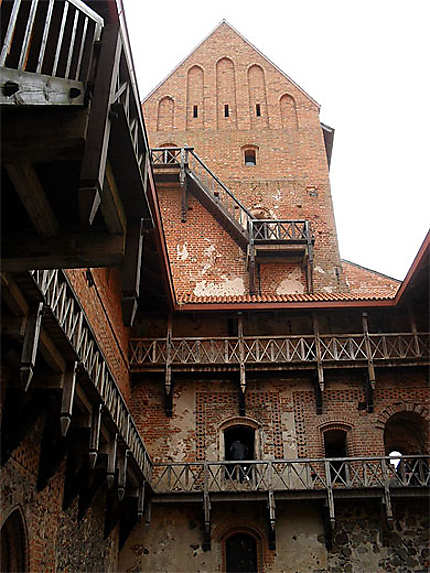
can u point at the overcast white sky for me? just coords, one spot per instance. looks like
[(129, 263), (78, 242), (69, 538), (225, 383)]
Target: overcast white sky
[(367, 63)]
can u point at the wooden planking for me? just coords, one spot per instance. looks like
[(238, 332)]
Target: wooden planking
[(33, 197), (24, 251)]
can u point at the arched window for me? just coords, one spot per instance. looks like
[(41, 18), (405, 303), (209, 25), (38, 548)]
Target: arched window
[(14, 552), (239, 443), (241, 553), (335, 446)]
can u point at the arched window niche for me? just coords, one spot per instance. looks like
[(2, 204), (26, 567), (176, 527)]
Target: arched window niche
[(250, 155), (242, 429), (14, 543), (242, 551)]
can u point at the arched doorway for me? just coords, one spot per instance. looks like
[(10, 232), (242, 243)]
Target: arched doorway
[(14, 552), (241, 555)]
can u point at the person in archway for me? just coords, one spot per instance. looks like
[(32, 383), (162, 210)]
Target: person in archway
[(239, 451)]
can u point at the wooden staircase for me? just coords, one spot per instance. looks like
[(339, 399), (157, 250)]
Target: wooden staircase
[(264, 240)]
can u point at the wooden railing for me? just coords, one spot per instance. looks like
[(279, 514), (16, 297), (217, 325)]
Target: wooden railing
[(281, 230), (61, 303), (50, 37), (291, 475), (146, 352), (189, 162)]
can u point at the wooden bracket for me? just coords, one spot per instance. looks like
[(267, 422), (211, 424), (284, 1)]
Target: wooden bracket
[(206, 545), (69, 383), (271, 506), (318, 395), (96, 421), (92, 482), (111, 451), (122, 473), (30, 346), (386, 499), (141, 500), (53, 446), (330, 499), (369, 394)]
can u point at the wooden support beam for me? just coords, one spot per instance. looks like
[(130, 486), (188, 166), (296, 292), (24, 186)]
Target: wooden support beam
[(413, 324), (141, 501), (369, 394), (111, 451), (25, 251), (67, 398), (31, 343), (95, 435), (53, 446), (386, 499), (33, 197), (328, 531), (130, 271), (13, 296), (112, 207), (206, 545), (99, 124), (330, 499), (271, 506), (92, 482), (184, 185), (319, 402), (370, 365), (320, 370), (122, 472)]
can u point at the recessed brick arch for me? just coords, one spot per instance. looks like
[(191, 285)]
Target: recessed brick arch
[(239, 421), (398, 407)]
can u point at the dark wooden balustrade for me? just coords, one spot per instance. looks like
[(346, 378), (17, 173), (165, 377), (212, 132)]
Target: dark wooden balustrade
[(335, 349)]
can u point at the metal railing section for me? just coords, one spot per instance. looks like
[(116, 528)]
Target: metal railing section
[(278, 349), (291, 475), (50, 37), (61, 302)]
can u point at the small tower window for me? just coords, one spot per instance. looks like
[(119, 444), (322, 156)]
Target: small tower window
[(250, 157), (258, 110), (226, 110), (195, 111)]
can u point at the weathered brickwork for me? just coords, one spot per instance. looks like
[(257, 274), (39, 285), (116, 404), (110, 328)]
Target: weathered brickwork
[(57, 540), (102, 305), (362, 281), (289, 180)]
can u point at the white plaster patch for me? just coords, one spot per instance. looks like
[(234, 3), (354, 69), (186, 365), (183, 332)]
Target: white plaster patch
[(277, 195), (319, 270), (182, 252), (328, 289), (228, 287), (292, 284)]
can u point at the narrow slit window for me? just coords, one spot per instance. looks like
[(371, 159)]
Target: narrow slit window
[(250, 157), (258, 110), (226, 110), (195, 111)]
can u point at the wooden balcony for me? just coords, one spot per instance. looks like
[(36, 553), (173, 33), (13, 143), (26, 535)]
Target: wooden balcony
[(272, 482), (279, 352), (75, 150)]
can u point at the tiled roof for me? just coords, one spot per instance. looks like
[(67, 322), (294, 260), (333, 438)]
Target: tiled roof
[(281, 298)]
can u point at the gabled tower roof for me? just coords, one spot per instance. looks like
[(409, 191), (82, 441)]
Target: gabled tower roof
[(225, 23)]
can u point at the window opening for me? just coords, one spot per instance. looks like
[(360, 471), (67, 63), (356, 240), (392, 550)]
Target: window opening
[(195, 111), (335, 447), (226, 111), (239, 444), (241, 554), (258, 110), (250, 157)]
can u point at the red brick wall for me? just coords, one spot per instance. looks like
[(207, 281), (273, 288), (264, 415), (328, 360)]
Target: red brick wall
[(291, 176), (102, 305), (364, 281)]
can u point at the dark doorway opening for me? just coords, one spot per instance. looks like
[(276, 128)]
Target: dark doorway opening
[(13, 544), (335, 447), (238, 436), (241, 554)]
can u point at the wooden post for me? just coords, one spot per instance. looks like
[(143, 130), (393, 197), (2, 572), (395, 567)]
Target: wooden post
[(95, 435), (414, 330), (99, 125), (242, 371), (386, 500), (330, 499), (111, 450), (272, 519), (206, 545), (251, 258), (370, 366)]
